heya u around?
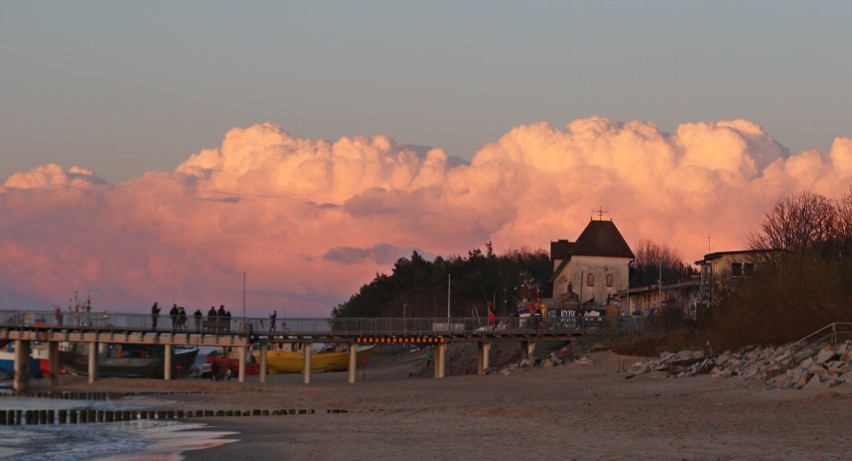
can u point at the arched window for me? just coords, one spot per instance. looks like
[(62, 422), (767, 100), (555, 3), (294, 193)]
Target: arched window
[(610, 279), (590, 280)]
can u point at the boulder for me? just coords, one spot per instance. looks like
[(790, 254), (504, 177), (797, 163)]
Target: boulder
[(825, 355), (816, 383)]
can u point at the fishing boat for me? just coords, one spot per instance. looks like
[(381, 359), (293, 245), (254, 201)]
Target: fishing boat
[(228, 357), (126, 360), (38, 364), (292, 360)]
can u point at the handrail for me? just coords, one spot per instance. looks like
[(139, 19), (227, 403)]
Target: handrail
[(798, 344), (831, 326), (262, 326)]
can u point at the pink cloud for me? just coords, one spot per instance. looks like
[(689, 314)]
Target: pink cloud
[(310, 221)]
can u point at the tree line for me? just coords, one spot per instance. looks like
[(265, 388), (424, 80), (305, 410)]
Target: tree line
[(419, 288)]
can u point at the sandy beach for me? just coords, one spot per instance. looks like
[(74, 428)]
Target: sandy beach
[(576, 411)]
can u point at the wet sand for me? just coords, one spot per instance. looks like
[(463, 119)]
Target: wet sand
[(575, 411)]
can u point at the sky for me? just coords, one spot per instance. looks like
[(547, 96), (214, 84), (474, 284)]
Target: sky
[(162, 150)]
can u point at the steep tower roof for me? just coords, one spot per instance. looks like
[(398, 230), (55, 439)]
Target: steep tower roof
[(601, 238)]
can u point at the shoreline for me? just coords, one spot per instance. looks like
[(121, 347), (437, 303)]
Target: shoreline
[(581, 410)]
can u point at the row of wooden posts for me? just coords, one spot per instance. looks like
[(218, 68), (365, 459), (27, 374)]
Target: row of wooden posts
[(74, 395), (87, 415)]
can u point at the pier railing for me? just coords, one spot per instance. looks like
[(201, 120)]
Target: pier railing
[(283, 326)]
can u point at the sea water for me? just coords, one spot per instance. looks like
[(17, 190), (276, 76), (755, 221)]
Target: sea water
[(124, 440)]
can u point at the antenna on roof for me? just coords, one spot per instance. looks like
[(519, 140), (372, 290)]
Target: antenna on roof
[(600, 211)]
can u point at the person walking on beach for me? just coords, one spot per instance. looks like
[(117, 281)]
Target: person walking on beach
[(155, 315), (214, 371), (430, 356)]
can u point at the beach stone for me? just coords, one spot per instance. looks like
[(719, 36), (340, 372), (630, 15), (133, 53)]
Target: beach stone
[(803, 381), (506, 372), (775, 370), (585, 360), (815, 383), (803, 354), (825, 355), (724, 373), (807, 363), (778, 382)]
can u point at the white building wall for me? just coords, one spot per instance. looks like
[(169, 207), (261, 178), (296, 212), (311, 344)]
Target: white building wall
[(577, 272)]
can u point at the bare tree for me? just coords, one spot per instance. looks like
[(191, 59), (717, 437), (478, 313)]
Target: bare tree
[(650, 258), (797, 223), (844, 217), (650, 253)]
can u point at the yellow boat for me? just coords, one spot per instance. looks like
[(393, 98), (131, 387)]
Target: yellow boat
[(289, 361)]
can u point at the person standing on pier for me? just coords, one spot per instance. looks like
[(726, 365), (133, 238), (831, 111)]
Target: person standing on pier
[(155, 315), (272, 318), (174, 313), (198, 316)]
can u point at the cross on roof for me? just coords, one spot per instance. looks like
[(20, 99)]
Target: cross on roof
[(600, 211)]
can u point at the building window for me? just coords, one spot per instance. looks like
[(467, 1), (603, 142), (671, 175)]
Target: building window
[(742, 269), (590, 280), (610, 279)]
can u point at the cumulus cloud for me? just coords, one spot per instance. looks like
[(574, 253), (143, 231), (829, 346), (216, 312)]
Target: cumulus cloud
[(308, 221), (52, 175), (381, 253)]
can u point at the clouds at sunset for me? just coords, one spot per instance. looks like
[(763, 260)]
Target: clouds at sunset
[(309, 221)]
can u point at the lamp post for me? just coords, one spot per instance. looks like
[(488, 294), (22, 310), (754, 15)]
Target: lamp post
[(404, 323), (449, 283), (244, 302)]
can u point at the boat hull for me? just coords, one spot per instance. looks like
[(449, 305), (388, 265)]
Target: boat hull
[(38, 367), (279, 362), (76, 361)]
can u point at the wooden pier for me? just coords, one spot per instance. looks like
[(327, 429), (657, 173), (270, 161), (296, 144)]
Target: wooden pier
[(23, 328)]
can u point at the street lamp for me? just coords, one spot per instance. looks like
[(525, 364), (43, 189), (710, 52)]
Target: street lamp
[(449, 283)]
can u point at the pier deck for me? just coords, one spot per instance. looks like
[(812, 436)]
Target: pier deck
[(244, 333)]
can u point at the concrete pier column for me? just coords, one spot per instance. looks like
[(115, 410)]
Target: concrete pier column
[(53, 363), (527, 349), (353, 362), (241, 376), (441, 360), (482, 357), (93, 361), (307, 372), (263, 365), (21, 382), (167, 367)]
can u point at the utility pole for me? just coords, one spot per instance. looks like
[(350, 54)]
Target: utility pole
[(449, 283)]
